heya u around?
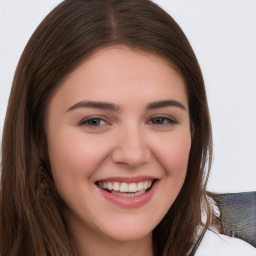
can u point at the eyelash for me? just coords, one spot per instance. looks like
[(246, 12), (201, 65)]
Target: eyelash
[(165, 120), (96, 122)]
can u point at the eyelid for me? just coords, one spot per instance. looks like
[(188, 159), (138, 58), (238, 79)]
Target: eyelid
[(84, 120), (171, 120)]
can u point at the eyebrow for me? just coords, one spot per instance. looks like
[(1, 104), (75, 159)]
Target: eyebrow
[(116, 108), (95, 104), (165, 103)]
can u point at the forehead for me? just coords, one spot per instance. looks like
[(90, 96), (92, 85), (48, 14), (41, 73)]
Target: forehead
[(117, 73)]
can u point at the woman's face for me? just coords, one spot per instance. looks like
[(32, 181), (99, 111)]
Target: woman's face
[(118, 135)]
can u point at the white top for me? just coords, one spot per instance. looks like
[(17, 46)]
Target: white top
[(214, 244)]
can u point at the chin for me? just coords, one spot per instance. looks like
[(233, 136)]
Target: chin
[(127, 232)]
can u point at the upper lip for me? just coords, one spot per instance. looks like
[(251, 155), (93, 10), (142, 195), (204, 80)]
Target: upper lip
[(128, 179)]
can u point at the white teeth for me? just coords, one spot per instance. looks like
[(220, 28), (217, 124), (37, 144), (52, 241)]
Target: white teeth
[(124, 187), (140, 186), (128, 194), (116, 186), (132, 187), (109, 185)]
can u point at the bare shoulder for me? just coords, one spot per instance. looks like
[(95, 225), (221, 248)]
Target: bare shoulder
[(215, 244)]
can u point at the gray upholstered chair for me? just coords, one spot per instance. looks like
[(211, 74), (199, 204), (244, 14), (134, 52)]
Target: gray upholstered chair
[(238, 215)]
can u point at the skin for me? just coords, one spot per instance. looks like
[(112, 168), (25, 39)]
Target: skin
[(127, 141)]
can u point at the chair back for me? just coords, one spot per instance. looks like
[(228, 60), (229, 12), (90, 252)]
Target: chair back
[(238, 215)]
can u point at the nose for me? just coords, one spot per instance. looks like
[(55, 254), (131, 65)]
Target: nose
[(131, 149)]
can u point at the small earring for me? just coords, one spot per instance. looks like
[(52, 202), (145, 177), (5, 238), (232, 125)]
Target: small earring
[(43, 188), (44, 181)]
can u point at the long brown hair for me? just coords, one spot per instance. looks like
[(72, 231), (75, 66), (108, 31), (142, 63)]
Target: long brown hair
[(31, 213)]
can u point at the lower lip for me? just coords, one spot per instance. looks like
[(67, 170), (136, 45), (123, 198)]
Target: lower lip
[(130, 202)]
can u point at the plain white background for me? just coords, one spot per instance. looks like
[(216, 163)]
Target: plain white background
[(223, 36)]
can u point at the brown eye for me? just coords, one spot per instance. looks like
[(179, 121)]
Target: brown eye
[(159, 120), (93, 122)]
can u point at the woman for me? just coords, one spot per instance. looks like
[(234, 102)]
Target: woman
[(105, 153)]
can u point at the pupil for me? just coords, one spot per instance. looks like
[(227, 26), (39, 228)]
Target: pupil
[(158, 120), (94, 122)]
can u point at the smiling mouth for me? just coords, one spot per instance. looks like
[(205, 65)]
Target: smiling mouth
[(125, 189)]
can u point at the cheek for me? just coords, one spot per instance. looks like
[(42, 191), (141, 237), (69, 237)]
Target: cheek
[(174, 154), (74, 155)]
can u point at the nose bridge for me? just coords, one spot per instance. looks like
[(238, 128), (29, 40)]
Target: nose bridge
[(131, 148)]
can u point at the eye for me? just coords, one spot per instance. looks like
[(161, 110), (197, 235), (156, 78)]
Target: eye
[(161, 120), (93, 121)]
